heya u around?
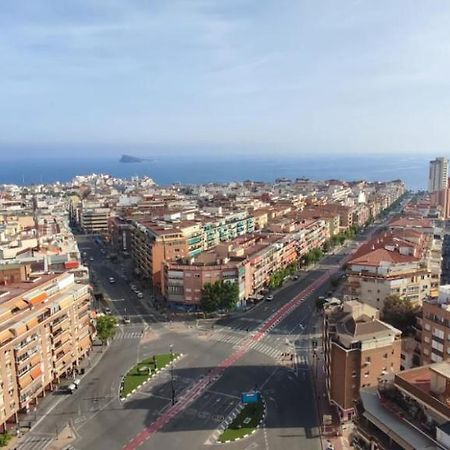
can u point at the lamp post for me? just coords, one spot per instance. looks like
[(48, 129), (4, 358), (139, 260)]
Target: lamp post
[(171, 374)]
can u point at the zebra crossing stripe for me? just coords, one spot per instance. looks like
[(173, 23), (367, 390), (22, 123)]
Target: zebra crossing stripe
[(34, 443)]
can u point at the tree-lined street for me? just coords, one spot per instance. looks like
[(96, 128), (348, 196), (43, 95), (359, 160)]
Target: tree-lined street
[(205, 379)]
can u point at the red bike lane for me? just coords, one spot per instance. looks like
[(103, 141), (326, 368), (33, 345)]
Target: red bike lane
[(193, 393)]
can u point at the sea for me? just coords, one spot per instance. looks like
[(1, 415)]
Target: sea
[(204, 168)]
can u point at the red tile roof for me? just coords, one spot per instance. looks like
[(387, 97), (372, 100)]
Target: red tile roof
[(376, 257)]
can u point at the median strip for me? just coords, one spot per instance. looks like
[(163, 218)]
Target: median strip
[(143, 371), (245, 423)]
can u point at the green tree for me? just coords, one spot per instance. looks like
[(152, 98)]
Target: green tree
[(229, 295), (219, 295), (209, 300), (400, 313), (106, 328), (5, 437)]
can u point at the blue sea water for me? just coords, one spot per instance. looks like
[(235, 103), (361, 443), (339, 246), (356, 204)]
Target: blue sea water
[(202, 169)]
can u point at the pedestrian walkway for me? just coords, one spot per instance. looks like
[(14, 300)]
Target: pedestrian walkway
[(128, 335), (34, 442), (37, 441), (236, 341)]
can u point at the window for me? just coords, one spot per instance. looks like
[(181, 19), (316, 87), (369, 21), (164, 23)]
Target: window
[(354, 374), (437, 346), (385, 355), (428, 328), (436, 358), (438, 333), (367, 358), (366, 374), (426, 339)]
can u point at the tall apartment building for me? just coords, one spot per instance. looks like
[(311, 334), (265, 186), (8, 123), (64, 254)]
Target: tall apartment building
[(151, 244), (438, 175), (183, 281), (395, 263), (94, 218), (45, 331), (435, 335), (248, 261), (432, 248), (222, 229), (359, 350)]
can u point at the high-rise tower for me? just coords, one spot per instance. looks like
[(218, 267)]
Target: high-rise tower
[(438, 176)]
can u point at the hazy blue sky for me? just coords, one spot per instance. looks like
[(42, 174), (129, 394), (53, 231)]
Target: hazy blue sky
[(298, 75)]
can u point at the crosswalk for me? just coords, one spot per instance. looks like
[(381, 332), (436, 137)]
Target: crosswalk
[(236, 341), (128, 335), (34, 443)]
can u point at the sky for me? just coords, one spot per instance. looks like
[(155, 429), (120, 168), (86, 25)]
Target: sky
[(298, 76)]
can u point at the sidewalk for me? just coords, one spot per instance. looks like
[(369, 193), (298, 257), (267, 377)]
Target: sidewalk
[(329, 433), (27, 422)]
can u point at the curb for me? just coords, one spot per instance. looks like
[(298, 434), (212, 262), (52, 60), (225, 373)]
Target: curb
[(233, 416), (151, 377)]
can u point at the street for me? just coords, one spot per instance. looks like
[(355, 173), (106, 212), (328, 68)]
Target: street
[(220, 360)]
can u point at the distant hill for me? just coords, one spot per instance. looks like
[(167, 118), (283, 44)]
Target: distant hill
[(132, 159)]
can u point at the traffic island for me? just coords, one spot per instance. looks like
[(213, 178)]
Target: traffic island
[(144, 371), (246, 422)]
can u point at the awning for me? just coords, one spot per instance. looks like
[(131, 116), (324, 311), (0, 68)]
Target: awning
[(35, 372), (71, 264), (85, 342), (37, 299)]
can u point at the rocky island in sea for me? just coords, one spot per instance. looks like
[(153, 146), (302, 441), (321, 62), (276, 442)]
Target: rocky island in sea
[(132, 159)]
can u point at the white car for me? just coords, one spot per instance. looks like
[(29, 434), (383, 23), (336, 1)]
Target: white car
[(140, 295), (112, 280), (269, 298)]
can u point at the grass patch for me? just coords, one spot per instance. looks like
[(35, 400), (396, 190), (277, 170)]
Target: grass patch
[(137, 375), (244, 423)]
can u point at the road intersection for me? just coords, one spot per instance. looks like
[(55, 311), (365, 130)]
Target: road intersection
[(222, 359)]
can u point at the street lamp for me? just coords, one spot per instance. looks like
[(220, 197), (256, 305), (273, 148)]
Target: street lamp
[(171, 374)]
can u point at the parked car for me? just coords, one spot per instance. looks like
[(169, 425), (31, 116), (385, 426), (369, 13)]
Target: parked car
[(112, 280), (107, 310), (91, 258), (269, 298), (126, 320), (140, 295)]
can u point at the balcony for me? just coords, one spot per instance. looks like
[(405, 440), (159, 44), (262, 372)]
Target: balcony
[(195, 240)]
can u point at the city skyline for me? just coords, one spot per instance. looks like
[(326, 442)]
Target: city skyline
[(246, 75)]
